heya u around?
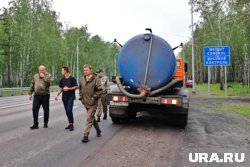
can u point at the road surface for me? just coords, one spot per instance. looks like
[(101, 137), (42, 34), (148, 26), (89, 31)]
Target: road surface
[(146, 141)]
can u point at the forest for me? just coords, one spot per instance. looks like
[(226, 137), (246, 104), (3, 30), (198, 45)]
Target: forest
[(222, 23), (30, 35)]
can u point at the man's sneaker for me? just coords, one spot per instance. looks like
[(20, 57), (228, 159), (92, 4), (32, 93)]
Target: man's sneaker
[(45, 126), (71, 128), (105, 116), (85, 139), (98, 133), (34, 127), (98, 119)]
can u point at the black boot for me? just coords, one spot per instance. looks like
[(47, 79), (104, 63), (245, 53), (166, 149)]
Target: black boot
[(66, 128), (71, 128), (45, 126), (105, 116), (85, 139), (98, 133), (98, 119), (34, 127)]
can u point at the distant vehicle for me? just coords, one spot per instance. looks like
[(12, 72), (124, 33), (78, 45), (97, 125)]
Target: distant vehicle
[(189, 83), (151, 79)]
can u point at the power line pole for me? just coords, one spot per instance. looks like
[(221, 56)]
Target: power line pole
[(77, 58), (193, 72)]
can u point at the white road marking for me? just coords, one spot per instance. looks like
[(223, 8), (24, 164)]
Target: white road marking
[(41, 116), (17, 105), (14, 105)]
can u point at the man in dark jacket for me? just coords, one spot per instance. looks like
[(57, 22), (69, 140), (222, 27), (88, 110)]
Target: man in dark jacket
[(68, 85), (90, 90), (40, 86)]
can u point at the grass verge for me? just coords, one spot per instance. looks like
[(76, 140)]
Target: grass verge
[(241, 109), (233, 89)]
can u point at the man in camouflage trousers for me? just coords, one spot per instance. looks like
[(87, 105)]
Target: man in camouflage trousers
[(90, 90), (102, 102), (40, 86)]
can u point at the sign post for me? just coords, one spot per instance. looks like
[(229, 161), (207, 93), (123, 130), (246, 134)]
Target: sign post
[(216, 56)]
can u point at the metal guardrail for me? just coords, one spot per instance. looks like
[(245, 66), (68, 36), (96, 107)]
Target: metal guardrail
[(17, 89), (21, 90)]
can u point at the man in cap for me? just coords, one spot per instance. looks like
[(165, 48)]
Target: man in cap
[(102, 102)]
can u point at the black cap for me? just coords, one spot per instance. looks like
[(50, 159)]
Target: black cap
[(99, 70)]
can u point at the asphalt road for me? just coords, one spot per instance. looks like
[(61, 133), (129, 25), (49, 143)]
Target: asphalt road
[(146, 141), (19, 146)]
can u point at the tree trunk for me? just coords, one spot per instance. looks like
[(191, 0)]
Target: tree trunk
[(9, 67)]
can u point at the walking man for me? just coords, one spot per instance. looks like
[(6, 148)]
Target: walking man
[(68, 85), (40, 86), (90, 90), (102, 102)]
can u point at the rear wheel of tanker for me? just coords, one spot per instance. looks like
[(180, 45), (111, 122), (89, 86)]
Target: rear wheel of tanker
[(182, 120), (132, 114), (116, 120)]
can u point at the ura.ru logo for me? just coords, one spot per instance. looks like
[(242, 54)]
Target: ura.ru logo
[(215, 158)]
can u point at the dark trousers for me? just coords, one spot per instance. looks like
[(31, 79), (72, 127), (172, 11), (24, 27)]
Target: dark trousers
[(68, 105), (39, 100)]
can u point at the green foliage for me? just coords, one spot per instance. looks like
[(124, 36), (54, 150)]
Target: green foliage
[(31, 35), (223, 23)]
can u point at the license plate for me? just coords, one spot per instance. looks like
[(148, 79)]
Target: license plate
[(113, 103)]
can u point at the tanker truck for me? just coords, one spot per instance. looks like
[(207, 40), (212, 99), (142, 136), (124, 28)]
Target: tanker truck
[(151, 79)]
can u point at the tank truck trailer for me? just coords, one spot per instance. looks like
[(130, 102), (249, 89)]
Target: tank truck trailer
[(151, 79)]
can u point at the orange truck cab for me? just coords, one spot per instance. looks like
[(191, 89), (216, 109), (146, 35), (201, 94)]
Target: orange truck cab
[(180, 70)]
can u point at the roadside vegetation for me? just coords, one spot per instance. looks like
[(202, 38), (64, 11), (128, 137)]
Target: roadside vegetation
[(221, 23), (243, 109), (235, 90), (31, 34)]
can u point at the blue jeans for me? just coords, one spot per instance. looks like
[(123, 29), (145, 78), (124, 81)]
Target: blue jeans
[(68, 105)]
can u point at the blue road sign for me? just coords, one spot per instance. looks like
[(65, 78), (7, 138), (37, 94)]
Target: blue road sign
[(217, 56)]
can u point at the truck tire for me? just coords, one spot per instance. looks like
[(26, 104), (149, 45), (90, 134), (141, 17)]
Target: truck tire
[(116, 120), (131, 112), (182, 120)]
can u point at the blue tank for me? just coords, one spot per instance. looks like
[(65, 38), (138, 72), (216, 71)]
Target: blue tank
[(132, 62)]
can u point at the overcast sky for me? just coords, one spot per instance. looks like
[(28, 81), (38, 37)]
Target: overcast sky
[(123, 19)]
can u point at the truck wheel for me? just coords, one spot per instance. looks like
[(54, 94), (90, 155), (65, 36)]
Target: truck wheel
[(116, 120), (182, 120), (131, 112)]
